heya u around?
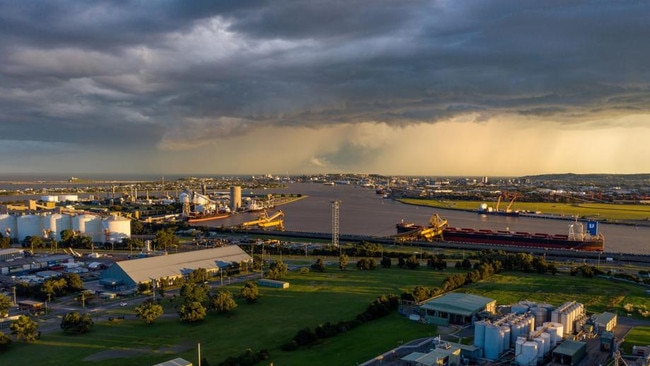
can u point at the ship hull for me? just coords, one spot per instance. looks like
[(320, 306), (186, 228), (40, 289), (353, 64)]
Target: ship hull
[(517, 239), (592, 244), (202, 218)]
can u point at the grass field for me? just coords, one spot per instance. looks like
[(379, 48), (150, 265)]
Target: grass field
[(600, 211), (312, 299)]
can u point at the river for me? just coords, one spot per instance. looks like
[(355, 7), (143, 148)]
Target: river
[(363, 212)]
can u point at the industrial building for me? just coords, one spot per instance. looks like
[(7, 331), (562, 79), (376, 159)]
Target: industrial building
[(50, 225), (605, 322), (455, 308), (128, 274)]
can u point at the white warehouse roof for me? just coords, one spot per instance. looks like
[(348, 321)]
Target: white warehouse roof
[(173, 265)]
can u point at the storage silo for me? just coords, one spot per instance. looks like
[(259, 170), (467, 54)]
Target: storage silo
[(89, 225), (118, 228), (8, 226), (547, 342), (540, 314), (56, 223), (556, 330), (505, 329), (29, 225), (519, 308), (540, 347), (479, 334), (235, 198), (69, 198), (528, 354), (493, 342)]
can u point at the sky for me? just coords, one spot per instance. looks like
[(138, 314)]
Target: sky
[(433, 88)]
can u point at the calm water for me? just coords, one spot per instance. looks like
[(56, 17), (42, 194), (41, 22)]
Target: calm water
[(364, 212)]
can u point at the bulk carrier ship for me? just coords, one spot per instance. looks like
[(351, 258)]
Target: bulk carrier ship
[(577, 238)]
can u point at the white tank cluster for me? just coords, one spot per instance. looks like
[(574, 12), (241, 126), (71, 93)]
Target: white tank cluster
[(571, 315), (114, 228), (60, 198), (496, 337), (527, 328)]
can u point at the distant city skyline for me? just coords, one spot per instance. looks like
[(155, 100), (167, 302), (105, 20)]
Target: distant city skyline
[(421, 88)]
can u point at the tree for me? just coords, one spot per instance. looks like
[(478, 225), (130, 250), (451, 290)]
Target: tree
[(192, 311), (386, 262), (5, 342), (223, 302), (78, 324), (195, 292), (5, 305), (250, 292), (149, 311), (343, 261), (319, 265), (198, 275), (165, 239), (74, 283), (25, 328), (277, 270), (5, 242)]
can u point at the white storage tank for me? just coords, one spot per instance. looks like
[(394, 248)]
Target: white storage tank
[(118, 228), (519, 308), (50, 198), (29, 225), (547, 342), (493, 342), (56, 223), (89, 225), (528, 354), (540, 348), (69, 198), (479, 334), (506, 338), (540, 315), (8, 226)]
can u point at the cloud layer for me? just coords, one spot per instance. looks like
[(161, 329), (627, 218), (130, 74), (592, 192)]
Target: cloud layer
[(169, 80)]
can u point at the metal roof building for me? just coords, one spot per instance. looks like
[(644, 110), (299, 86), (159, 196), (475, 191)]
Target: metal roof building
[(129, 273), (456, 308)]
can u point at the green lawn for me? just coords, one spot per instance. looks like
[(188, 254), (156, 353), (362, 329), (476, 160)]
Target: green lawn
[(312, 299), (600, 211)]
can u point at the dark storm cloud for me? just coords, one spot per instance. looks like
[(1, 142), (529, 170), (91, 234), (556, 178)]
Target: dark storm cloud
[(143, 71)]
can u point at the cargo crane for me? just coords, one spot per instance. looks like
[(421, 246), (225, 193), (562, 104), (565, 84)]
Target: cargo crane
[(509, 208), (429, 233), (265, 222)]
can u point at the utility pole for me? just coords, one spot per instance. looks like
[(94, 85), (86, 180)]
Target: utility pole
[(335, 225)]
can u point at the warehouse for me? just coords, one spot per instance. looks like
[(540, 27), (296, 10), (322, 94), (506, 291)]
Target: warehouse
[(606, 322), (455, 308), (128, 274)]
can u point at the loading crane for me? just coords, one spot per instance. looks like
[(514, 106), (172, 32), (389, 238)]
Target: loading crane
[(264, 221), (429, 233), (514, 197)]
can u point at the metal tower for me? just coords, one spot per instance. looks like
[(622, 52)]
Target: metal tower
[(335, 223)]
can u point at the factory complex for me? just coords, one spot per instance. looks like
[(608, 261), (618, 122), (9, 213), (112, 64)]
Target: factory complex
[(523, 334)]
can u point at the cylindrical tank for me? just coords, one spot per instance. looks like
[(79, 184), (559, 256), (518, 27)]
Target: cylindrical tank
[(235, 198), (184, 197), (547, 342), (540, 315), (69, 198), (55, 224), (118, 228), (479, 334), (506, 338), (8, 226), (29, 225), (89, 225), (519, 308), (520, 341), (540, 347), (493, 342), (528, 354), (50, 198)]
